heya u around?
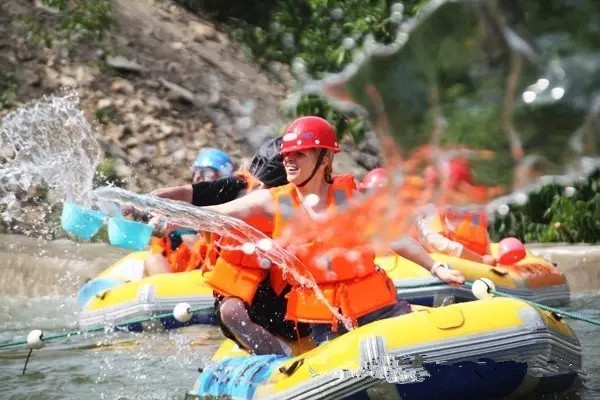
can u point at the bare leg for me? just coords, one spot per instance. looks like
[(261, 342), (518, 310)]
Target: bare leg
[(256, 338), (156, 264)]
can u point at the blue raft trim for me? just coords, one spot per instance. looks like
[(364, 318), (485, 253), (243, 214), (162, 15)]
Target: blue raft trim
[(237, 377)]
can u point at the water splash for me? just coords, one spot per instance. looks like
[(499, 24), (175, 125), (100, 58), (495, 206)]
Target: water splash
[(48, 141), (252, 240), (495, 75), (484, 74)]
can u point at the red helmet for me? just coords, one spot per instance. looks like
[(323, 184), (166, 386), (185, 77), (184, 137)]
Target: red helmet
[(309, 133), (374, 179), (458, 170)]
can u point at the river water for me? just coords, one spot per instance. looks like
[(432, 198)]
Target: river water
[(39, 294)]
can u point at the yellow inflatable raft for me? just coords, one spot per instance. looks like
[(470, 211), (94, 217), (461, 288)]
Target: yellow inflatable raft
[(533, 278), (477, 350), (121, 293)]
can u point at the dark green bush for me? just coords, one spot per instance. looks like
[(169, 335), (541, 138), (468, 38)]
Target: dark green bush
[(552, 214)]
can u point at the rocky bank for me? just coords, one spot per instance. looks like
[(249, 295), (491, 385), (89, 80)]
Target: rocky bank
[(164, 84)]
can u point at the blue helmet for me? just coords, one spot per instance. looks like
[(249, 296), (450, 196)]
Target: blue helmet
[(216, 159)]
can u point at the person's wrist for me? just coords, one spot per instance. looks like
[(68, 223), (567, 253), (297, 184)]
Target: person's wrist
[(436, 266)]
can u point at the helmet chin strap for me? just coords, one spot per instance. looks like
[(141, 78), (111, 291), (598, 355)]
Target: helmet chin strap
[(317, 165)]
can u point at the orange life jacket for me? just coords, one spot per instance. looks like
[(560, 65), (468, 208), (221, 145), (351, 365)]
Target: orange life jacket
[(349, 280), (471, 231), (236, 274), (204, 253), (183, 258)]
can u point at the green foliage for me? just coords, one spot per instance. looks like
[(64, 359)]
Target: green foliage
[(75, 21), (8, 85), (550, 215), (89, 19), (105, 114), (256, 12), (319, 36), (343, 123)]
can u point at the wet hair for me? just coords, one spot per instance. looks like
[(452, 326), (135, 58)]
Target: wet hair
[(267, 164)]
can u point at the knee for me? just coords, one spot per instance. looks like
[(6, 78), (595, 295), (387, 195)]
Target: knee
[(232, 311)]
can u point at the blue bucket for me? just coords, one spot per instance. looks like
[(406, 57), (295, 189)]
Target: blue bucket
[(94, 287), (129, 234), (80, 221)]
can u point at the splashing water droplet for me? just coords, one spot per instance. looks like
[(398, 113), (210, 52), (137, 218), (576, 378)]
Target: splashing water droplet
[(529, 96), (52, 142), (336, 14), (570, 191), (311, 200), (520, 198), (557, 93), (265, 263), (352, 255), (265, 244), (299, 66), (503, 209), (542, 84), (248, 248), (396, 17), (397, 7), (348, 43)]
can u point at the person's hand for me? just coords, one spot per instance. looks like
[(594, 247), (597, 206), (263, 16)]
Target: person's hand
[(134, 213), (127, 209), (160, 226), (451, 276), (489, 260)]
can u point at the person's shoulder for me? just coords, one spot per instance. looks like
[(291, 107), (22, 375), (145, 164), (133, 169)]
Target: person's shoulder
[(258, 196), (281, 190)]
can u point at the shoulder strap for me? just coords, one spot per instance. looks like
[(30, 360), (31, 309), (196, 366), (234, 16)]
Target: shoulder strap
[(342, 190), (285, 204)]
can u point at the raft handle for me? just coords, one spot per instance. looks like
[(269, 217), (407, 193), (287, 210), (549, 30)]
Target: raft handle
[(498, 271), (292, 368), (556, 316), (102, 295)]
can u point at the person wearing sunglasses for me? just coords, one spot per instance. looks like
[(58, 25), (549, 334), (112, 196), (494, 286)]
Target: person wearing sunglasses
[(176, 249), (210, 165)]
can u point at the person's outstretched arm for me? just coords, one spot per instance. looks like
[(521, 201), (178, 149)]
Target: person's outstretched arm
[(413, 251), (181, 193), (207, 193), (256, 202)]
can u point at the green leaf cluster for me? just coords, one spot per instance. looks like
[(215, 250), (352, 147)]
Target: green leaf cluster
[(316, 37), (555, 213)]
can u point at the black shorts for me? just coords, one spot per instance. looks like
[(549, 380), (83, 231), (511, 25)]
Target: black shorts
[(267, 310)]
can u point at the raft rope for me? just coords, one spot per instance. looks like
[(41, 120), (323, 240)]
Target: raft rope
[(98, 329), (553, 310), (467, 285)]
